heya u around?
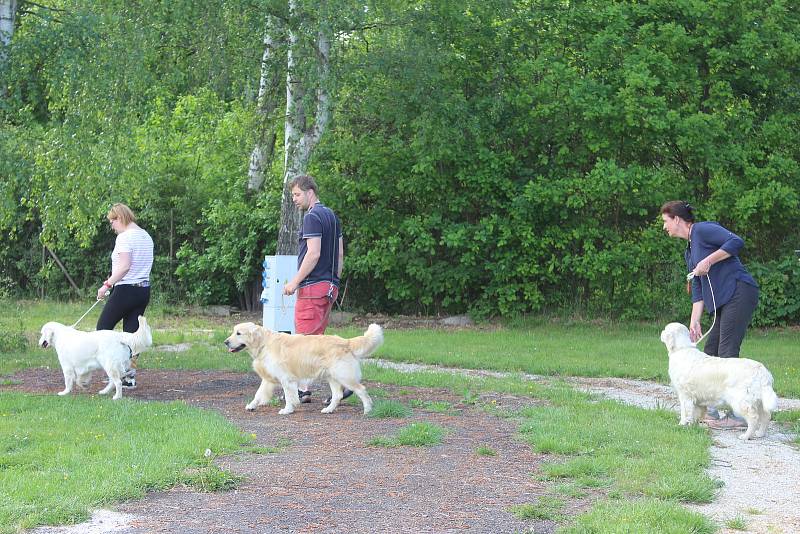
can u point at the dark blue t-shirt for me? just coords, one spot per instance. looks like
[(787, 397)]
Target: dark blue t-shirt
[(708, 237), (321, 222)]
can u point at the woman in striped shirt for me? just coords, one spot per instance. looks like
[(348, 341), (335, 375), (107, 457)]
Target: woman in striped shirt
[(129, 283)]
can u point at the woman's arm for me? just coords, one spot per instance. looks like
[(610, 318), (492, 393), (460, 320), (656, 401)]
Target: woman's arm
[(695, 330), (118, 272)]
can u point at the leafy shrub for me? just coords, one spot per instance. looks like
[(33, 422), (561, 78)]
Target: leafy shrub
[(12, 341), (779, 299)]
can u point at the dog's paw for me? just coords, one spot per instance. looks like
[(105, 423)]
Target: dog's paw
[(286, 411), (328, 409), (251, 407), (65, 392), (117, 397)]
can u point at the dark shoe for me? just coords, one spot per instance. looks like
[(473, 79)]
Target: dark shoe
[(129, 382), (305, 396), (346, 393)]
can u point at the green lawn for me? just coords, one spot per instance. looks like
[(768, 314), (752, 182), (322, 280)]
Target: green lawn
[(62, 456), (546, 347), (588, 442)]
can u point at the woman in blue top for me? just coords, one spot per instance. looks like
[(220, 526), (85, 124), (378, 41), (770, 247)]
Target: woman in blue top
[(712, 255)]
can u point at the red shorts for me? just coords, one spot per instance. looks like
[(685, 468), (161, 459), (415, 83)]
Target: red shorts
[(313, 308)]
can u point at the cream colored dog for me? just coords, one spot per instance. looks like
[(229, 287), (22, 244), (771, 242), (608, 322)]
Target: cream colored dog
[(286, 359), (701, 381), (80, 353)]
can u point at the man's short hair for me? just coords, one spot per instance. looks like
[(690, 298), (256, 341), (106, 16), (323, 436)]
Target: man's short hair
[(304, 182)]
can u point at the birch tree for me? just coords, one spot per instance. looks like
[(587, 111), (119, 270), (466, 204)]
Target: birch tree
[(8, 11), (268, 101), (307, 111)]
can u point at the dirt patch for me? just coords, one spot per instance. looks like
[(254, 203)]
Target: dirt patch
[(328, 478)]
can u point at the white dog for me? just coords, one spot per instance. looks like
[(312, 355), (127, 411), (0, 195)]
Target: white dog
[(80, 353), (701, 381), (286, 359)]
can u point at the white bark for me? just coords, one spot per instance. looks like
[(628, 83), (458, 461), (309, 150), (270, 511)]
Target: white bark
[(299, 139), (8, 11), (261, 156)]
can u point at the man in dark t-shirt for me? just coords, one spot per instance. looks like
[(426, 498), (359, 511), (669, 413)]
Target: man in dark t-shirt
[(319, 265)]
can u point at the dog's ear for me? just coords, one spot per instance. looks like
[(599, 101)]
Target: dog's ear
[(252, 334), (668, 337)]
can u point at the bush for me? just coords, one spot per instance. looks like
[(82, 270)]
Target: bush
[(12, 342), (779, 301)]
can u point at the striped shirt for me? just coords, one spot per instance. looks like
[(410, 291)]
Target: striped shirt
[(139, 245)]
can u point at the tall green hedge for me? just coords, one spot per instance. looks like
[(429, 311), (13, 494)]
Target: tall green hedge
[(495, 157)]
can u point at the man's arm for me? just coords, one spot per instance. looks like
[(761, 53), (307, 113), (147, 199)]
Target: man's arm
[(309, 262)]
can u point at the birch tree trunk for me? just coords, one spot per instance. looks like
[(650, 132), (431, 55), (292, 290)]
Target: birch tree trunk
[(8, 11), (261, 157), (300, 139)]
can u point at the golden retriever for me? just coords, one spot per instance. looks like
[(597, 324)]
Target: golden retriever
[(286, 359), (701, 380), (80, 353)]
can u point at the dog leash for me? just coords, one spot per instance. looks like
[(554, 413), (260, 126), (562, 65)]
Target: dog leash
[(713, 302), (87, 312)]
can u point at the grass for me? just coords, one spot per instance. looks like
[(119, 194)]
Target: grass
[(636, 485), (617, 350), (388, 409), (589, 445), (631, 448), (485, 450), (414, 435), (545, 508), (62, 456), (640, 516), (791, 418), (737, 523), (547, 347)]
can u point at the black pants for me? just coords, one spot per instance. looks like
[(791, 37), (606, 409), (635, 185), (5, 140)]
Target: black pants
[(126, 303), (725, 339)]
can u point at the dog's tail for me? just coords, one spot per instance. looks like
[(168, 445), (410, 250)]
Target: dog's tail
[(364, 346), (140, 340), (769, 401)]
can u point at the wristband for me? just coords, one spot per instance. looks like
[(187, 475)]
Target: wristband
[(106, 284)]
